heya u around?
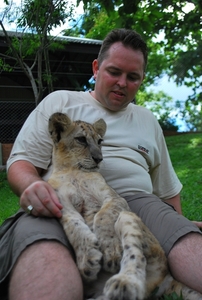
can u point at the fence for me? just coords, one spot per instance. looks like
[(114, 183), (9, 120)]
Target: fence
[(12, 116)]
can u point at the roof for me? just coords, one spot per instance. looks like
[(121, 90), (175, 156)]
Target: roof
[(73, 39), (79, 40)]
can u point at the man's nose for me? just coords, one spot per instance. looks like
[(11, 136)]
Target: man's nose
[(122, 82)]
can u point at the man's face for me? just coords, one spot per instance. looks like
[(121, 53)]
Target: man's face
[(119, 76)]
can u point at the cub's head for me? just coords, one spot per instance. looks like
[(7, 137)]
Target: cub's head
[(77, 144)]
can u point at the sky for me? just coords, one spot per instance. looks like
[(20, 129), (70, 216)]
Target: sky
[(169, 87), (180, 93)]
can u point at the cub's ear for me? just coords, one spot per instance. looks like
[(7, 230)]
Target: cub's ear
[(100, 127), (59, 124)]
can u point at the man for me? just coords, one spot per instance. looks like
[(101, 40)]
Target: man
[(38, 261)]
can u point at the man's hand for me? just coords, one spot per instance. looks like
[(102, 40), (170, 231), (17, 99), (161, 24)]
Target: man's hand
[(42, 197), (26, 182), (198, 224)]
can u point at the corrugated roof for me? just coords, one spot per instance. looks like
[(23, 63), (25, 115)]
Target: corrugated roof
[(59, 37), (80, 40)]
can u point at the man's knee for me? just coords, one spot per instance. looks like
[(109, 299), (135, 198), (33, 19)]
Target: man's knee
[(46, 249), (184, 260), (185, 245), (44, 262)]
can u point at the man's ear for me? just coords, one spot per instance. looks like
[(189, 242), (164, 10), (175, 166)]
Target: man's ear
[(95, 68)]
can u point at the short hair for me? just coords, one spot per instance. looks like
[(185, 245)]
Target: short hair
[(129, 38)]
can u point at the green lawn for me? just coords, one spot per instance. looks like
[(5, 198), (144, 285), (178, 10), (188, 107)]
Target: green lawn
[(186, 152), (8, 200)]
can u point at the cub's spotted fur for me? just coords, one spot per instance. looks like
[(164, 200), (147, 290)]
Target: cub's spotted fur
[(113, 247)]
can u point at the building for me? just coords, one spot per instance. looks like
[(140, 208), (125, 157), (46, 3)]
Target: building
[(71, 67)]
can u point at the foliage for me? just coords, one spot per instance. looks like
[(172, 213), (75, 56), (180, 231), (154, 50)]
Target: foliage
[(173, 297), (162, 107), (172, 30), (42, 16), (35, 20), (4, 66), (168, 124), (192, 113)]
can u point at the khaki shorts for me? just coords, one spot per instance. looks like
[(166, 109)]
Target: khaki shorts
[(21, 230), (161, 218)]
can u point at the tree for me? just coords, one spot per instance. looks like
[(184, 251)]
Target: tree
[(35, 21), (172, 30), (162, 107), (178, 21)]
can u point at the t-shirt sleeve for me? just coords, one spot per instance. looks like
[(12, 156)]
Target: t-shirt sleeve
[(165, 182)]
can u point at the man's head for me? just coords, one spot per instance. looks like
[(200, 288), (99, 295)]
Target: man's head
[(129, 38), (119, 69)]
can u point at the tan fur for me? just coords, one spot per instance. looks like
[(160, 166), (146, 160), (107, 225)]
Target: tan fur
[(107, 238)]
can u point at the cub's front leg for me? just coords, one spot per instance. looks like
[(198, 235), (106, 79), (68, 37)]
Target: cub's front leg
[(84, 243), (82, 239), (109, 242)]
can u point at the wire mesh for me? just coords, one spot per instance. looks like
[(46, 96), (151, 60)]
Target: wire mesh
[(12, 116)]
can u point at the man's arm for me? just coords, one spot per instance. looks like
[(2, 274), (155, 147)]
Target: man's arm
[(176, 203), (26, 182)]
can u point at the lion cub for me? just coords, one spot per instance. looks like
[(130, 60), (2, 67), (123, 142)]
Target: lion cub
[(104, 234)]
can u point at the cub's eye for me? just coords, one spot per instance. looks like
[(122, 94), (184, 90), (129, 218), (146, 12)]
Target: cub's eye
[(81, 140), (100, 141)]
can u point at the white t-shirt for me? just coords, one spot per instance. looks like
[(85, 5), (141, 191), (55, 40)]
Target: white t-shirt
[(135, 154)]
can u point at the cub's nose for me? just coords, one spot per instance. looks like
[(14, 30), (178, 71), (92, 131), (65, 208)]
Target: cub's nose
[(97, 159)]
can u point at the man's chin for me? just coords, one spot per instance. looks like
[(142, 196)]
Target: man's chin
[(117, 105)]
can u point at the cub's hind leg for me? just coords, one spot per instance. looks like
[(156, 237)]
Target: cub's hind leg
[(157, 267), (130, 282)]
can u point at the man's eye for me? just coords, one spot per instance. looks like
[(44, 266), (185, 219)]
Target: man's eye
[(113, 73), (132, 78), (81, 139)]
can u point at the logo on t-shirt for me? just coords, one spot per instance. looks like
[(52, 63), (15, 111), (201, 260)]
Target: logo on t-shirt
[(143, 149)]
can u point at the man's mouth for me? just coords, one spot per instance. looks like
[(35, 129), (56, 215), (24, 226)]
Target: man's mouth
[(118, 93)]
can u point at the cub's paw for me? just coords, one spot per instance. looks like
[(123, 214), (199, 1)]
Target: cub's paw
[(89, 257), (112, 254), (122, 286)]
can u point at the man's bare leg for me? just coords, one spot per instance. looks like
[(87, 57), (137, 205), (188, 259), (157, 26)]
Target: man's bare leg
[(185, 261), (45, 271)]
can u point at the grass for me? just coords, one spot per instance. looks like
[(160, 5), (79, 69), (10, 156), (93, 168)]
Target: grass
[(185, 152), (9, 202)]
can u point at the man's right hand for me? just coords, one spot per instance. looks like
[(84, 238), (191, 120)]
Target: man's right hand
[(42, 197), (26, 182)]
